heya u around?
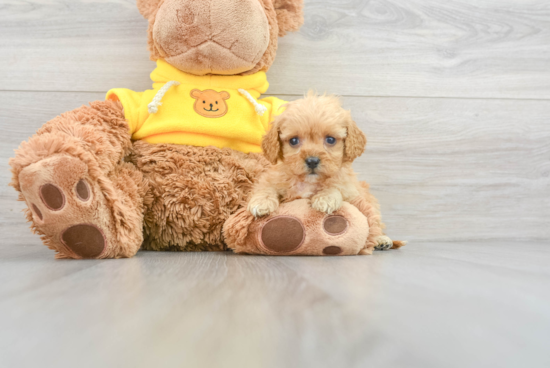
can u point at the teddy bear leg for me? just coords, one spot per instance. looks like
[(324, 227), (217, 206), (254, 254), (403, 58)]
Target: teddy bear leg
[(297, 229), (83, 205), (76, 215), (192, 191)]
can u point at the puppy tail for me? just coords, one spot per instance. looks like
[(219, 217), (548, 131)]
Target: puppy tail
[(398, 244)]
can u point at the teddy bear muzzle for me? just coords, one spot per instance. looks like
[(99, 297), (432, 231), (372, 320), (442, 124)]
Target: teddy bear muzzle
[(211, 36)]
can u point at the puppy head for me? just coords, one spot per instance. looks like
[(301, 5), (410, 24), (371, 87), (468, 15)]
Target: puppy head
[(313, 137)]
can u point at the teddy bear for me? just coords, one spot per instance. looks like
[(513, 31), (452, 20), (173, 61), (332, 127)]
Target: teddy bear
[(162, 169)]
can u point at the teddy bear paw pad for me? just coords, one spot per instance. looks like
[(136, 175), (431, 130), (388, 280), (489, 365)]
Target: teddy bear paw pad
[(37, 212), (82, 190), (52, 197), (282, 234), (335, 225), (332, 250), (86, 241)]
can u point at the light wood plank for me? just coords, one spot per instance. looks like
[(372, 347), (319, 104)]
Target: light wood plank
[(443, 169), (457, 169), (429, 305), (462, 48)]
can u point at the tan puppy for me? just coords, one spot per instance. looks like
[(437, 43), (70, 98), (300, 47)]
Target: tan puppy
[(312, 146)]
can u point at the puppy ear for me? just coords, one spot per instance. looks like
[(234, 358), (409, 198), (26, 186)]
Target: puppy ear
[(147, 7), (290, 15), (355, 142), (271, 144)]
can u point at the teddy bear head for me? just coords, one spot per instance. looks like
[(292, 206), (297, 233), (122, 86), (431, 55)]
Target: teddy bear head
[(224, 37)]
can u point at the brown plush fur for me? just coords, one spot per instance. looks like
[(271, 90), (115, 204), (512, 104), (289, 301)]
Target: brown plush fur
[(311, 122), (290, 15), (192, 191), (186, 51)]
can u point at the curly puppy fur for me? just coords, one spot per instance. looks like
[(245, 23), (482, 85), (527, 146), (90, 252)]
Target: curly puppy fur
[(312, 146)]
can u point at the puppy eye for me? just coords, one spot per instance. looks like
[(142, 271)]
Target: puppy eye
[(294, 141), (330, 140)]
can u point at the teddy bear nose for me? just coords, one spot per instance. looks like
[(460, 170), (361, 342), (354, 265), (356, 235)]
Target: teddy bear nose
[(312, 162), (211, 106)]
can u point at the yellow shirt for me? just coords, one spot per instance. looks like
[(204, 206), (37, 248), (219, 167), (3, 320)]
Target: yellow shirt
[(200, 110)]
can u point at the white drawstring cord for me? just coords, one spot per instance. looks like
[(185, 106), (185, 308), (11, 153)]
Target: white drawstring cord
[(153, 107), (260, 109)]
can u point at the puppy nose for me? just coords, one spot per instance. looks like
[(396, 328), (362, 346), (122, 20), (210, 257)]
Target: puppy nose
[(312, 162)]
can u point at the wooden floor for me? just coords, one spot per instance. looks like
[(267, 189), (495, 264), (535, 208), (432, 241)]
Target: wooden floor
[(454, 97), (483, 304)]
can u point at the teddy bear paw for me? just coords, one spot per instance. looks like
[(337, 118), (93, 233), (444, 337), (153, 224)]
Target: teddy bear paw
[(297, 229), (287, 235), (66, 207)]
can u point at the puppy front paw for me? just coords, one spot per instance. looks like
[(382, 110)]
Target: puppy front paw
[(326, 204), (260, 207)]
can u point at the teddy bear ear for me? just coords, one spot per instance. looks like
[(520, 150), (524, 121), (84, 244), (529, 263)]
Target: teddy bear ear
[(147, 7), (290, 15)]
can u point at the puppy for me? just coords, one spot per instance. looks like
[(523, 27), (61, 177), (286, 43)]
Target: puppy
[(312, 145)]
